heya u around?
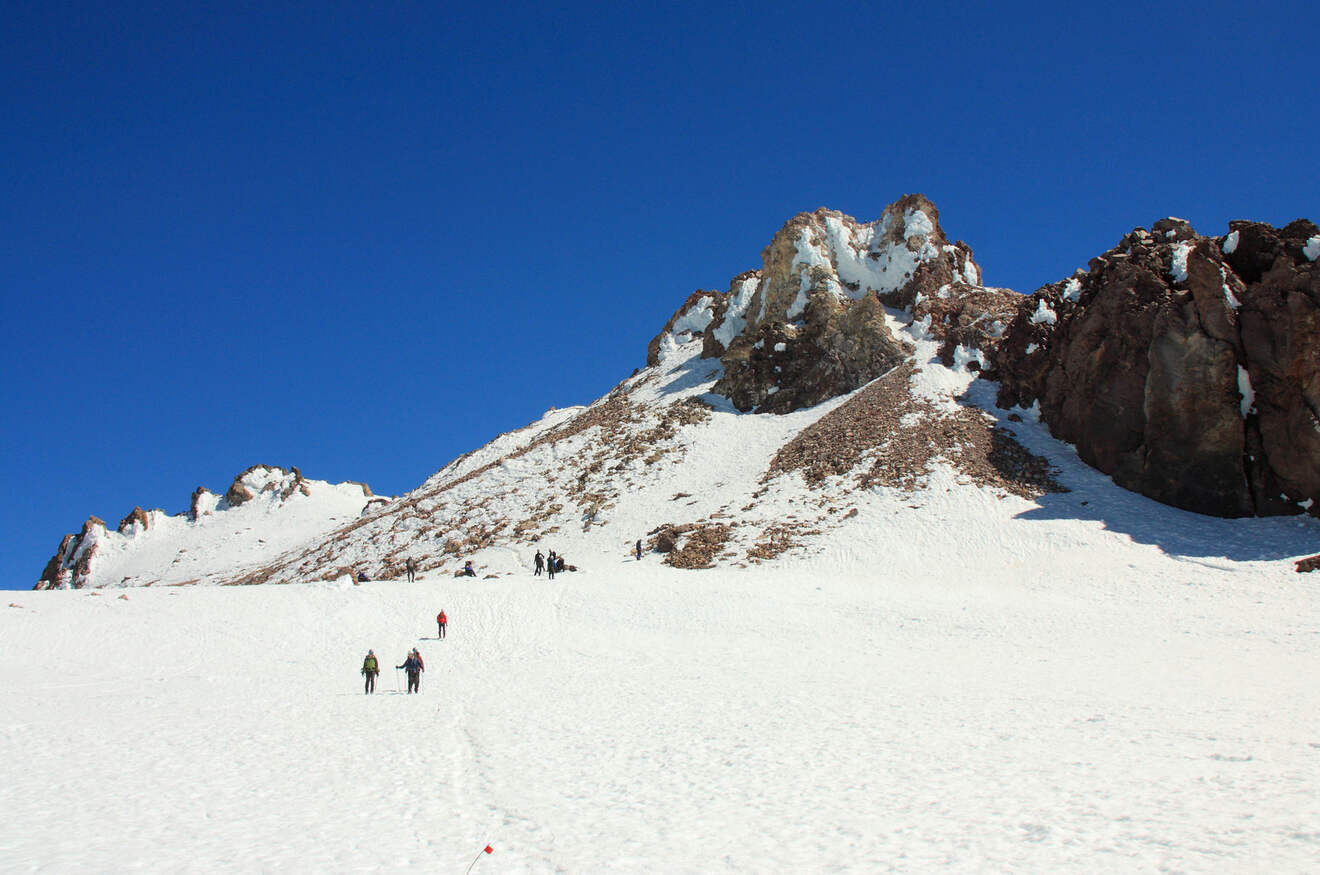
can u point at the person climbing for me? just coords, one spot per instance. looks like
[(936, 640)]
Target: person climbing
[(639, 549), (540, 564), (410, 565), (468, 570), (442, 621), (370, 668), (559, 563), (414, 667), (550, 565)]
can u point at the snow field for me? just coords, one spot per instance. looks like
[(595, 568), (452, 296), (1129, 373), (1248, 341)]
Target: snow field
[(639, 719)]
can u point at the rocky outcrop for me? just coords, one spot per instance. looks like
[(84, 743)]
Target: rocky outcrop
[(809, 325), (71, 565), (266, 478), (967, 320), (1186, 367), (837, 346), (137, 518)]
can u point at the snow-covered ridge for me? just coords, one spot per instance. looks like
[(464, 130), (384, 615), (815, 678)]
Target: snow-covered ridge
[(266, 511)]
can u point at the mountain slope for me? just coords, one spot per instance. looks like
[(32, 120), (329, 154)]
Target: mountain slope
[(853, 376)]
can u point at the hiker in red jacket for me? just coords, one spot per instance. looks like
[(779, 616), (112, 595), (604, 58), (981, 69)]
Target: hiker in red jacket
[(442, 621)]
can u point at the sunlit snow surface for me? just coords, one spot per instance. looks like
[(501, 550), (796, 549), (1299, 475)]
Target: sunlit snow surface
[(951, 680)]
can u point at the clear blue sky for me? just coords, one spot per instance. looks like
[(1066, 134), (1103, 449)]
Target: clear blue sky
[(364, 238)]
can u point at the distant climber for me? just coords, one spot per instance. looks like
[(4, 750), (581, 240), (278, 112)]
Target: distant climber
[(410, 565), (362, 577), (540, 564), (468, 570), (414, 666), (639, 549), (442, 621), (550, 565), (370, 668), (559, 563)]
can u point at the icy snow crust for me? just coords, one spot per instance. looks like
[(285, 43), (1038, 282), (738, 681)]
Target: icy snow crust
[(952, 679)]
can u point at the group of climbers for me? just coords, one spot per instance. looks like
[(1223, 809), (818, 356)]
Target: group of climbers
[(550, 565), (412, 665)]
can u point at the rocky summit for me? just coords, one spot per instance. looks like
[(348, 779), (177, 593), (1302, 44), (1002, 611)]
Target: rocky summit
[(860, 370)]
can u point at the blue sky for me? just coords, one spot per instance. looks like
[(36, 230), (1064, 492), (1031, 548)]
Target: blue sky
[(365, 238)]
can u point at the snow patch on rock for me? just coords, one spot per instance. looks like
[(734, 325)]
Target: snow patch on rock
[(1246, 391), (735, 316), (694, 321), (1228, 293), (1044, 315), (1178, 270)]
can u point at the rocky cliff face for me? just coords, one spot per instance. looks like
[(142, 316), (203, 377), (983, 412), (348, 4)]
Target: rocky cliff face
[(810, 323), (1187, 367)]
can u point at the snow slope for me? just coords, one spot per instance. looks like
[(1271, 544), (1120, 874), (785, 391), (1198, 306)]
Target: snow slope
[(1130, 712), (218, 538)]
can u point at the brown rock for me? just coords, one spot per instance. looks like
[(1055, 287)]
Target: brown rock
[(1139, 364), (811, 325), (138, 516)]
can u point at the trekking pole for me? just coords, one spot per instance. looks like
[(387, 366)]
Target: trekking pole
[(396, 679)]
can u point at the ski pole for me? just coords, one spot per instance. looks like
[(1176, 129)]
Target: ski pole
[(396, 679)]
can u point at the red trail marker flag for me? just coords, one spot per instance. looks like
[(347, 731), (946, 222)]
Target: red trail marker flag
[(486, 850)]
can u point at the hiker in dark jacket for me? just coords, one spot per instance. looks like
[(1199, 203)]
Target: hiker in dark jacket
[(468, 570), (370, 668), (410, 565), (414, 667), (550, 565), (540, 564)]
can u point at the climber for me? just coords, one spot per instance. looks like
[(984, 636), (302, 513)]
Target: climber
[(370, 668), (414, 666)]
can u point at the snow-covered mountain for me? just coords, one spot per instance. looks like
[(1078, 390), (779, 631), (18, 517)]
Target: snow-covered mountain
[(854, 376), (929, 635), (266, 512)]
